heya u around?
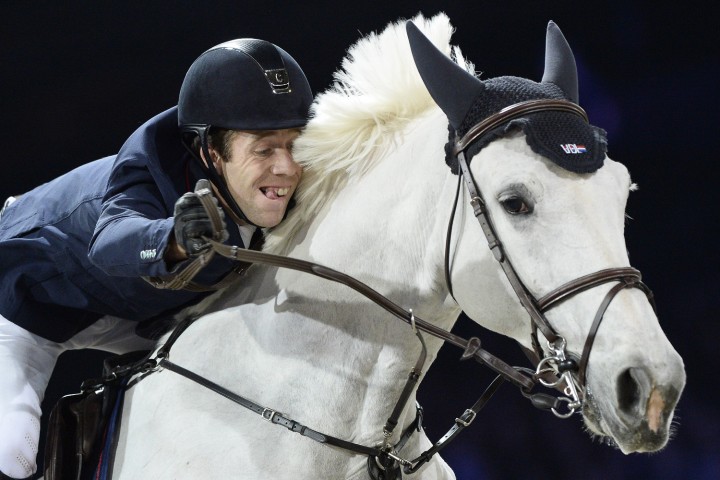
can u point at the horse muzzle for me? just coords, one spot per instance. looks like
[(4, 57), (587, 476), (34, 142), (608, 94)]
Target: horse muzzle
[(637, 413)]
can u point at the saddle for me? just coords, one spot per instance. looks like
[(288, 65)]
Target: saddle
[(82, 424)]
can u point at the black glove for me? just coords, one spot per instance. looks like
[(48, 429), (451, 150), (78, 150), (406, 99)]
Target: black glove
[(192, 222)]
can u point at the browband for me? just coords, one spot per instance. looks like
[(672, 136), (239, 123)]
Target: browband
[(514, 111)]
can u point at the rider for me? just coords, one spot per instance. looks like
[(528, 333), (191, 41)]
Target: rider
[(113, 244)]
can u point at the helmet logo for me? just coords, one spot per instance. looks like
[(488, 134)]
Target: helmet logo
[(279, 80)]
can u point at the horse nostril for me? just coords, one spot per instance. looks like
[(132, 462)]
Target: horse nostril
[(633, 385)]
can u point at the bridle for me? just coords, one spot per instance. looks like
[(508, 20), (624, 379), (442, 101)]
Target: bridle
[(554, 368), (556, 361)]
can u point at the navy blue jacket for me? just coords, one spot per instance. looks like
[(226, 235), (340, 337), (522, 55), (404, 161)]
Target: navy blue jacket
[(75, 249)]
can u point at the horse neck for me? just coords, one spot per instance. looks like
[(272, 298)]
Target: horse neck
[(387, 227), (387, 230)]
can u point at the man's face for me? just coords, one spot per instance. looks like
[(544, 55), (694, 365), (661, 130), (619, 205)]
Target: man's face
[(261, 173)]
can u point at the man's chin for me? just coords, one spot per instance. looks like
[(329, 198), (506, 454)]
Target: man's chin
[(267, 219), (265, 212)]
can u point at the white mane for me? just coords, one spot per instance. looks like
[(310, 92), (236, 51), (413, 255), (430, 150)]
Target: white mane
[(375, 93)]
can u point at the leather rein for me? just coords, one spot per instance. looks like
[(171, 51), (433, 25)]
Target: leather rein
[(553, 369)]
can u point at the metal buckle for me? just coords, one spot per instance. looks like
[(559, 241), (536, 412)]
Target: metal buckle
[(471, 414), (271, 412)]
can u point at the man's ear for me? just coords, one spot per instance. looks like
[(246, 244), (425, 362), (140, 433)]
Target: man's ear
[(215, 160)]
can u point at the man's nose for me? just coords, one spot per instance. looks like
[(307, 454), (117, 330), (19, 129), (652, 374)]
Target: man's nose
[(284, 164)]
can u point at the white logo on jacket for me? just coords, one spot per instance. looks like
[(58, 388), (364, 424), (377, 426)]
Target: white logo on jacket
[(148, 254)]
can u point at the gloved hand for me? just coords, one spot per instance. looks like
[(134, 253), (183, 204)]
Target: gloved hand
[(192, 221)]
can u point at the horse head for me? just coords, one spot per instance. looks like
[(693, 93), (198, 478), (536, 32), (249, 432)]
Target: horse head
[(556, 203)]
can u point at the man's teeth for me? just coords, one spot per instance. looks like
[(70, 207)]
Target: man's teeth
[(276, 192)]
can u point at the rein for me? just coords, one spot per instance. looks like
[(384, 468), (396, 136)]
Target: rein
[(471, 347)]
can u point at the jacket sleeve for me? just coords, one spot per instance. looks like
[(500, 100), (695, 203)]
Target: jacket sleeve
[(135, 224)]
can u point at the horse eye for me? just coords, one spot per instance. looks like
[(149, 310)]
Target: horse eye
[(515, 206)]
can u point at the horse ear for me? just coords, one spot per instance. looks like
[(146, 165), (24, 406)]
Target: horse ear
[(452, 88), (560, 67)]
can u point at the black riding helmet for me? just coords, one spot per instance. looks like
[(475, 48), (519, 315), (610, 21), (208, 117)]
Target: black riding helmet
[(243, 84)]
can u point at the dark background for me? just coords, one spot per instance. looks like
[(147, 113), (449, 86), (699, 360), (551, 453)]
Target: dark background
[(77, 79)]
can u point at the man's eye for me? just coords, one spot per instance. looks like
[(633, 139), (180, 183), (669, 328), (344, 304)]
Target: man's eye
[(515, 206)]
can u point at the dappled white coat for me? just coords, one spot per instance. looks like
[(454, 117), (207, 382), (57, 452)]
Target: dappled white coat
[(374, 203)]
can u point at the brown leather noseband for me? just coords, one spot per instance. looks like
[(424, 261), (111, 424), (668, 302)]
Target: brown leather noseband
[(626, 277)]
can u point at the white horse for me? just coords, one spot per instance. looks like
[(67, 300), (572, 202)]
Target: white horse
[(375, 203)]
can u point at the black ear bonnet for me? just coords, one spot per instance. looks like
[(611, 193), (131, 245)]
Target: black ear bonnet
[(562, 137), (565, 139)]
